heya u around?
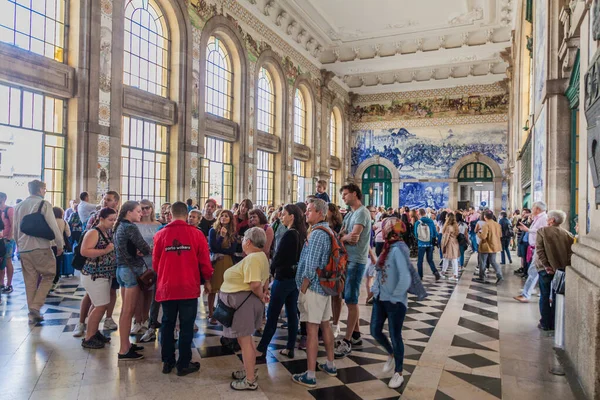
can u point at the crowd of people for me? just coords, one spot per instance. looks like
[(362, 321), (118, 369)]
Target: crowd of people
[(307, 259)]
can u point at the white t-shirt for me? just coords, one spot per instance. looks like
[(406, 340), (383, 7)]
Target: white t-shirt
[(85, 209)]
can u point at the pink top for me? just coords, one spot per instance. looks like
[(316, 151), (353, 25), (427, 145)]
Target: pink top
[(378, 232), (539, 221), (7, 233), (474, 217), (270, 235)]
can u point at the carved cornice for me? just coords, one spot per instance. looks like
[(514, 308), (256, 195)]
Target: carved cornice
[(456, 91), (412, 123)]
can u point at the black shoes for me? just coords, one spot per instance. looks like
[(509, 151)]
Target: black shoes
[(167, 368), (135, 347), (93, 343), (191, 368), (131, 355), (499, 280), (437, 276), (101, 337)]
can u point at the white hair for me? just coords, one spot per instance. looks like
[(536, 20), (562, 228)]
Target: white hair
[(558, 216), (539, 204), (320, 205), (256, 236)]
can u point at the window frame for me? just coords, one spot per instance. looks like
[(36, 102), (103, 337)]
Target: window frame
[(159, 198), (333, 135), (58, 49), (265, 172), (227, 80), (161, 88), (56, 197), (266, 106), (212, 146), (300, 117)]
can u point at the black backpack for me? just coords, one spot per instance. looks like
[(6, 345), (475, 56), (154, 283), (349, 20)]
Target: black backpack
[(79, 260)]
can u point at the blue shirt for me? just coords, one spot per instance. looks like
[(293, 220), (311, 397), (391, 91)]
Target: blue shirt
[(432, 231), (315, 254), (392, 283), (359, 252), (323, 196)]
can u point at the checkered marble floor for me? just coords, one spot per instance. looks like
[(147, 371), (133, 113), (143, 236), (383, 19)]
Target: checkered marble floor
[(451, 352)]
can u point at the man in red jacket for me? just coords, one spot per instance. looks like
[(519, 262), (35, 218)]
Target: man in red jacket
[(181, 259)]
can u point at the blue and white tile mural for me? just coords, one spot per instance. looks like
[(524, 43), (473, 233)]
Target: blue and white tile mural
[(539, 156), (424, 194), (429, 152)]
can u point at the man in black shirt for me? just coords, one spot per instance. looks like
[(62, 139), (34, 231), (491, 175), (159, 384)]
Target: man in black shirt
[(208, 219)]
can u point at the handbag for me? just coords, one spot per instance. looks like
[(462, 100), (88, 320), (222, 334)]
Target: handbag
[(224, 314), (147, 279), (35, 225)]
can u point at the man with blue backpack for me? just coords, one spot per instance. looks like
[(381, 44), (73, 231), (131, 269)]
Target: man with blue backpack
[(426, 235)]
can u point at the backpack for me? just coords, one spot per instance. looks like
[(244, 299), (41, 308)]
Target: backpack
[(423, 232), (507, 232), (78, 260), (472, 226), (332, 276), (75, 223)]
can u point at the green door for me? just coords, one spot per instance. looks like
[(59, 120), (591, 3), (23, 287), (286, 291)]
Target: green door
[(377, 186)]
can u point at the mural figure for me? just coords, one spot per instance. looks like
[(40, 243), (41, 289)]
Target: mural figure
[(425, 195), (429, 152)]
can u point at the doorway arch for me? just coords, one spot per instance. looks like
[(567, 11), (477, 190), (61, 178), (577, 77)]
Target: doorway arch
[(476, 178), (377, 186), (394, 180)]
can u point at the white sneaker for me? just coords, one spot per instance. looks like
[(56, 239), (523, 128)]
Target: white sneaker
[(336, 331), (396, 381), (148, 336), (136, 329), (389, 364), (79, 330), (110, 325), (145, 326)]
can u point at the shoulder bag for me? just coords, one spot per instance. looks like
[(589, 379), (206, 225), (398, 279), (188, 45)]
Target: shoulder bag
[(35, 225), (224, 314)]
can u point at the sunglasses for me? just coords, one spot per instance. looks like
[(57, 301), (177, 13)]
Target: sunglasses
[(144, 208)]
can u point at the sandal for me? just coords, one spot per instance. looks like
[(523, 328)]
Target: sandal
[(287, 352)]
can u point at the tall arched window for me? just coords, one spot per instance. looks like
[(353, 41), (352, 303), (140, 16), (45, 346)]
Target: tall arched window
[(299, 118), (333, 135), (219, 79), (37, 26), (146, 61), (266, 102)]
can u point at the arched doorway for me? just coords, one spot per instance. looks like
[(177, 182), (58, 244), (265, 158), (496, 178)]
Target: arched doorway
[(476, 186), (377, 186)]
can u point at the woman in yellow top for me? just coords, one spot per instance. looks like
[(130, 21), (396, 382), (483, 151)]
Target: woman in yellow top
[(245, 288)]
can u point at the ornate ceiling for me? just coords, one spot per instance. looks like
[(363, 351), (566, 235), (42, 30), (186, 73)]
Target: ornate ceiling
[(396, 45)]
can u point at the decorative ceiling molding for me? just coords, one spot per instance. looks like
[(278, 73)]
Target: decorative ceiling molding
[(455, 91), (424, 122)]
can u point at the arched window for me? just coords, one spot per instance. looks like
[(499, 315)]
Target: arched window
[(146, 61), (219, 79), (475, 172), (299, 118), (333, 135), (266, 102), (216, 178), (37, 26)]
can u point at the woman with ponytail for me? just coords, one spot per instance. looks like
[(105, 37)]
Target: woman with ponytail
[(390, 293), (130, 248)]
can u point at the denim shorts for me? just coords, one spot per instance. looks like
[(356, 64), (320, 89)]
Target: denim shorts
[(10, 248), (354, 275), (127, 276)]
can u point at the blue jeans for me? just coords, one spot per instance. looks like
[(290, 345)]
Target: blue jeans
[(395, 314), (354, 275), (461, 262), (187, 310), (440, 245), (282, 292), (505, 249), (429, 252), (546, 310), (473, 239)]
